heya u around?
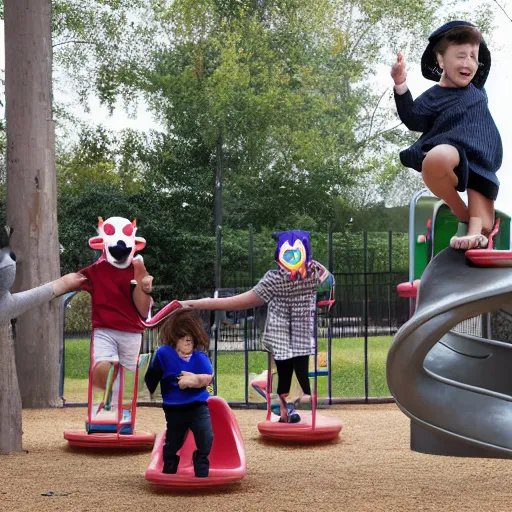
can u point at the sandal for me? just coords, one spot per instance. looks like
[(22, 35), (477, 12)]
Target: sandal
[(469, 242), (292, 417)]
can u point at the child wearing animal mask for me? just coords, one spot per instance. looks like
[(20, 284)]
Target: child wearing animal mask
[(290, 292), (119, 285), (460, 148)]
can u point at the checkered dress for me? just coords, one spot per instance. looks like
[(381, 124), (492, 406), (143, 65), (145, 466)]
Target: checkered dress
[(291, 312)]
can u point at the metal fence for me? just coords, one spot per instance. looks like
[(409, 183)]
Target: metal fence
[(367, 307)]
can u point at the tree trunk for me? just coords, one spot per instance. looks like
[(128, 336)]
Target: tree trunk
[(10, 399), (32, 192)]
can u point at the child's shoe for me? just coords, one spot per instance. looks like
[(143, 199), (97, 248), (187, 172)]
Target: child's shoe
[(171, 466), (292, 417), (202, 467)]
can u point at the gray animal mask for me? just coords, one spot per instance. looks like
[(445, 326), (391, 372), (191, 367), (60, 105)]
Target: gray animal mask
[(13, 305), (7, 261)]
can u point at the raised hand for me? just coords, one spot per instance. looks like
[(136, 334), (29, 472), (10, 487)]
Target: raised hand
[(398, 73), (141, 275)]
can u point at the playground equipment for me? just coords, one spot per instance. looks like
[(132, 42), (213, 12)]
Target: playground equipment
[(110, 422), (454, 387), (431, 225), (312, 427), (227, 458), (259, 382)]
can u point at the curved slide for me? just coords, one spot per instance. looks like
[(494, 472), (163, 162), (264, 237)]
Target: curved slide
[(456, 389)]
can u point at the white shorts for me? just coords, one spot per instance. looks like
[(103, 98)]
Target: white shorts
[(117, 346)]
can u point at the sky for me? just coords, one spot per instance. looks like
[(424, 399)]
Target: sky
[(498, 90)]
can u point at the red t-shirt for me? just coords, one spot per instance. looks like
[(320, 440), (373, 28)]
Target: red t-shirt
[(111, 293)]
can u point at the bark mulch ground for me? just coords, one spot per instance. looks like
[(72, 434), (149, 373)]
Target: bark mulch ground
[(370, 468)]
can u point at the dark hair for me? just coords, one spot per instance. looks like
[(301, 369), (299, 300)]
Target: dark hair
[(184, 322), (457, 36)]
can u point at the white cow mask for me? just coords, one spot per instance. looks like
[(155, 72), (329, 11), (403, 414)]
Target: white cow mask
[(116, 238)]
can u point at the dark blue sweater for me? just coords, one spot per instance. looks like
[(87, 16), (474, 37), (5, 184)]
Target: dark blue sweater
[(459, 117), (166, 367)]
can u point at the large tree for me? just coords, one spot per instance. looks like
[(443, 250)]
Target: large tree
[(31, 192)]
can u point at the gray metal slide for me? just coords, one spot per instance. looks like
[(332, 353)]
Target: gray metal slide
[(456, 389)]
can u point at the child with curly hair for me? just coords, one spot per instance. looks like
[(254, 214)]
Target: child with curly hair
[(183, 369)]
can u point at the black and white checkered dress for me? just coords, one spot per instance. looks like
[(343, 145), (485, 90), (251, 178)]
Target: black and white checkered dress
[(291, 312)]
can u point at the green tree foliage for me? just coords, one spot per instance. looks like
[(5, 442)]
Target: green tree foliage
[(281, 84), (283, 87)]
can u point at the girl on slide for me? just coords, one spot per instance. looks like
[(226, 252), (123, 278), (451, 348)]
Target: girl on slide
[(460, 148)]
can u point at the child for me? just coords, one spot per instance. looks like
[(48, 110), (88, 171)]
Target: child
[(119, 286), (460, 147), (182, 367), (290, 292)]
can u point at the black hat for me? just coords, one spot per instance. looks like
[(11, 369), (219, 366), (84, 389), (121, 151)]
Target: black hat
[(430, 67)]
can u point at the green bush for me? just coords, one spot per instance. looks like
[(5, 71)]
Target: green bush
[(78, 313)]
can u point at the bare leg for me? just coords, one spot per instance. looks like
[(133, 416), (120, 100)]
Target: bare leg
[(438, 176), (481, 213), (283, 407), (100, 374), (481, 222)]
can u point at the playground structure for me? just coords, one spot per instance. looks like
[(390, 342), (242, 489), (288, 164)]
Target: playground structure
[(454, 387), (431, 225), (312, 427), (227, 458), (111, 413)]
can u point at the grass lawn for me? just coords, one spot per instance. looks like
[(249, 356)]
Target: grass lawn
[(347, 369)]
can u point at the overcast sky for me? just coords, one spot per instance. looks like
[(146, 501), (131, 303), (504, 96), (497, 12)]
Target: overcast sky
[(498, 89)]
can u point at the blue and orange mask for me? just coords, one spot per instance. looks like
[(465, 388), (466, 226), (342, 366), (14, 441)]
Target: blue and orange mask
[(293, 252)]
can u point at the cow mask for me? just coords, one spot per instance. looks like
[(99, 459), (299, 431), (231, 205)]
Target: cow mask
[(116, 238)]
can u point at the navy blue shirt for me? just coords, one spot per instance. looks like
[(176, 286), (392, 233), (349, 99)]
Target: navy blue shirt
[(460, 117), (166, 367)]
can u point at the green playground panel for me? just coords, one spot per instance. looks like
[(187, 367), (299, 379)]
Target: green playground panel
[(444, 226), (423, 211)]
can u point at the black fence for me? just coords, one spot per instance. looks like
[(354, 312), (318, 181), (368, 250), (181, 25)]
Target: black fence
[(366, 308)]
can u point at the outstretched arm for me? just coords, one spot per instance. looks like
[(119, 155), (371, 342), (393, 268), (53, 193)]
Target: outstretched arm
[(245, 300), (14, 305)]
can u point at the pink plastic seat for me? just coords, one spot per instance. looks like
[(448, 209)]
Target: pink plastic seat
[(324, 429), (227, 458), (136, 441), (408, 290)]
